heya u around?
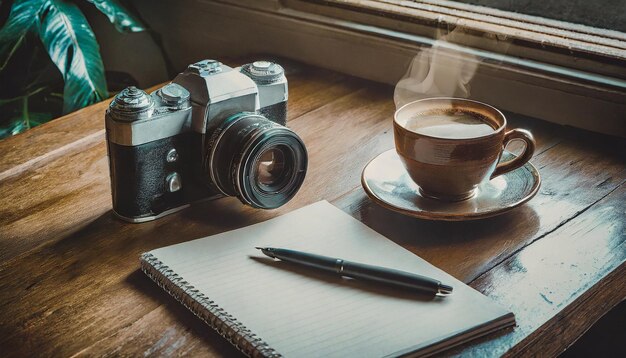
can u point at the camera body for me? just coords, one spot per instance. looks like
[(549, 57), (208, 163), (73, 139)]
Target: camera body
[(213, 131)]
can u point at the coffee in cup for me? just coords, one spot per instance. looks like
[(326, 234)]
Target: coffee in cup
[(451, 145)]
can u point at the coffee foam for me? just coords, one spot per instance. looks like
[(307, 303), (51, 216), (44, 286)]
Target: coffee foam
[(448, 123)]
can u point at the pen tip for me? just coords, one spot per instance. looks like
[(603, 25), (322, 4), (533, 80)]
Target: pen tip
[(445, 289), (258, 248)]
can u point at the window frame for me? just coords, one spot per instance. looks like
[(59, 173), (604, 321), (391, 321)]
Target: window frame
[(572, 46), (545, 83)]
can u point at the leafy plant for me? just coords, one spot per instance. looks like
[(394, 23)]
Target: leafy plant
[(32, 91)]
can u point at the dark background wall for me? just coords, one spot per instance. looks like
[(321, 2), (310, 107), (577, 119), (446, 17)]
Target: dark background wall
[(606, 14), (135, 54)]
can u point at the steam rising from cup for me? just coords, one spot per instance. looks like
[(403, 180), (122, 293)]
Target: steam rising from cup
[(442, 70)]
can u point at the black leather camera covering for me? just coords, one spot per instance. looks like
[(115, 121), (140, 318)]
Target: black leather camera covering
[(276, 113), (138, 175)]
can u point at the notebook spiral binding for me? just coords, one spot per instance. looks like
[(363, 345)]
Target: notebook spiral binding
[(207, 310)]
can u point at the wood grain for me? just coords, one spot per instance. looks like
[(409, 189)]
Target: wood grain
[(550, 293), (69, 279)]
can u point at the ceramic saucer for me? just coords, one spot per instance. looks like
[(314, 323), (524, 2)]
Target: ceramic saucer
[(386, 181)]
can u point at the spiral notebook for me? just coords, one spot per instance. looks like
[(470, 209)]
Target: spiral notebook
[(266, 308)]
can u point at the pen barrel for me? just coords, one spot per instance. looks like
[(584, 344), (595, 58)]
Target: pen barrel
[(390, 277), (377, 274), (306, 259)]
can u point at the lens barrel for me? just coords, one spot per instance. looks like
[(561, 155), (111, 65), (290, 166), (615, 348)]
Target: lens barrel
[(261, 162)]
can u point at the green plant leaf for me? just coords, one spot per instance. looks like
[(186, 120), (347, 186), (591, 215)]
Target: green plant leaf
[(19, 124), (73, 48), (36, 118), (4, 101), (22, 18), (12, 127), (120, 17), (22, 122)]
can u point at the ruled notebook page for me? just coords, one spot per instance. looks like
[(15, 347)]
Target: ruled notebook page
[(303, 313)]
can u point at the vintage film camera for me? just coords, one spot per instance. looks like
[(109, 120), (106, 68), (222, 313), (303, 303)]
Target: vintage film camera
[(213, 131)]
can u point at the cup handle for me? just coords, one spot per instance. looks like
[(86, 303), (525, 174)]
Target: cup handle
[(529, 150)]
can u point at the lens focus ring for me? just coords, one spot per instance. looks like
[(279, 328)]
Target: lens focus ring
[(259, 161)]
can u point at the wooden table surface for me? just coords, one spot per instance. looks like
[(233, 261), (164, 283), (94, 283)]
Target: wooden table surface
[(69, 270)]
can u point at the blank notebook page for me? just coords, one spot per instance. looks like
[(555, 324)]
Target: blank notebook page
[(303, 313)]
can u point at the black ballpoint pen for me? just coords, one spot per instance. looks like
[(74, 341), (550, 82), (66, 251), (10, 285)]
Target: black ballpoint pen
[(360, 271)]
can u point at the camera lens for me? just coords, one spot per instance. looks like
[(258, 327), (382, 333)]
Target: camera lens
[(271, 168), (257, 160)]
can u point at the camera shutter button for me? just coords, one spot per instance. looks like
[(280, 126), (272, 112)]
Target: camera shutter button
[(174, 182), (173, 94)]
